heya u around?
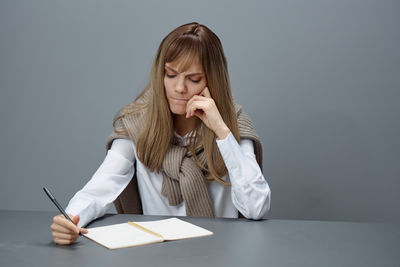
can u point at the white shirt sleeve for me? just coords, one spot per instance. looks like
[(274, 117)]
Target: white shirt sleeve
[(250, 193), (106, 184)]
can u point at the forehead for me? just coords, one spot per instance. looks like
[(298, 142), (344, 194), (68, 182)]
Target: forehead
[(195, 67), (185, 65)]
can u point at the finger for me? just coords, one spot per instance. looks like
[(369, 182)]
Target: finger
[(83, 230), (200, 114), (206, 93), (63, 241), (75, 219), (192, 99), (62, 221), (196, 99), (197, 106), (60, 229), (191, 108), (63, 236)]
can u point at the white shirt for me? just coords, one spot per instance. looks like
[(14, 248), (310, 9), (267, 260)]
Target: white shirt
[(249, 193)]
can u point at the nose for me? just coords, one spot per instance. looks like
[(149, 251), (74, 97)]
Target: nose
[(180, 85)]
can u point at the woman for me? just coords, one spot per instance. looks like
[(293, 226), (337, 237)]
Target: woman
[(193, 150)]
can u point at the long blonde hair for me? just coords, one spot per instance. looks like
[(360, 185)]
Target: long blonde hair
[(186, 43)]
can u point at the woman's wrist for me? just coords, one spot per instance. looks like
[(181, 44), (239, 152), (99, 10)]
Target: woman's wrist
[(222, 132)]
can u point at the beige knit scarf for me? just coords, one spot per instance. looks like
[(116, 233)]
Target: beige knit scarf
[(183, 180)]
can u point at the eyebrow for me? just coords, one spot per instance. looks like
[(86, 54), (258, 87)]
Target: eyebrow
[(191, 74)]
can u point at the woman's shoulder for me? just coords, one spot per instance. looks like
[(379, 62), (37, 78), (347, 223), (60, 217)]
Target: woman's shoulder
[(129, 120)]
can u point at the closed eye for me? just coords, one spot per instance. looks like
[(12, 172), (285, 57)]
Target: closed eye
[(170, 75), (195, 81)]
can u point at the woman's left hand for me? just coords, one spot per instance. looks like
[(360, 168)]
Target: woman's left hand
[(204, 107)]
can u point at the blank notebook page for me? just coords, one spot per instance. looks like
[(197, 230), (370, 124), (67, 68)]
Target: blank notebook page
[(173, 229), (120, 236)]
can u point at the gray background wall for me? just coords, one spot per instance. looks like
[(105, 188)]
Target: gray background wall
[(319, 78)]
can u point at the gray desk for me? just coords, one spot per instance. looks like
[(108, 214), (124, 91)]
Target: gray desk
[(26, 241)]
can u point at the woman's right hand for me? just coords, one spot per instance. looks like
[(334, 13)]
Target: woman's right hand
[(64, 231)]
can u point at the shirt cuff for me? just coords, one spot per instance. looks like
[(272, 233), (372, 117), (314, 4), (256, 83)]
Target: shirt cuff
[(230, 149), (79, 207)]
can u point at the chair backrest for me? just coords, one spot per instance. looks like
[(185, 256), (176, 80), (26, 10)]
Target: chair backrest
[(129, 200)]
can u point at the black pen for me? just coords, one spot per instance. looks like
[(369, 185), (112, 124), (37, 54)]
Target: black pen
[(54, 200)]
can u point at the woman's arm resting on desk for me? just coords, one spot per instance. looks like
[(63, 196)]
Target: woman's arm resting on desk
[(107, 183), (92, 200)]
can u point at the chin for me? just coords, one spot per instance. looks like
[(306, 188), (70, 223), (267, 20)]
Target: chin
[(178, 110)]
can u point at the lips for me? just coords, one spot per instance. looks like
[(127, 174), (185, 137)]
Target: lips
[(179, 100)]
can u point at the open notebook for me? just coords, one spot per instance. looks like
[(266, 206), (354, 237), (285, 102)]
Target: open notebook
[(142, 233)]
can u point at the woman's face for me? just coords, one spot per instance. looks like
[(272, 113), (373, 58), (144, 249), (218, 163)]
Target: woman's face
[(180, 87)]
